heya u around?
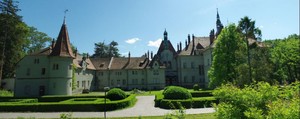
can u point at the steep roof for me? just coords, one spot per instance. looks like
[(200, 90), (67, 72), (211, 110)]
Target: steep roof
[(118, 63), (77, 61), (101, 63), (169, 47), (200, 43), (62, 46), (137, 63)]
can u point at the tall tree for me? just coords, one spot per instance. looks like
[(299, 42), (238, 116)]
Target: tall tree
[(228, 54), (103, 50), (13, 33), (286, 58), (36, 40), (247, 27)]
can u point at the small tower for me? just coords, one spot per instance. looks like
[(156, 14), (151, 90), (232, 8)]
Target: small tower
[(165, 35), (219, 25)]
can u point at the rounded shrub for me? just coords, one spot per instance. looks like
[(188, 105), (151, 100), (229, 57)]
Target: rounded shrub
[(196, 87), (176, 92), (116, 94)]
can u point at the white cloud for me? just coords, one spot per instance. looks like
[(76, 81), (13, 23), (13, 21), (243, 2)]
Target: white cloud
[(132, 40), (261, 27), (155, 43)]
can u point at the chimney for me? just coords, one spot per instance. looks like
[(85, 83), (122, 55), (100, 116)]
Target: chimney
[(151, 54), (186, 45), (87, 56), (193, 41), (129, 55), (75, 52), (180, 46), (53, 43), (177, 47), (148, 55), (212, 36), (189, 39)]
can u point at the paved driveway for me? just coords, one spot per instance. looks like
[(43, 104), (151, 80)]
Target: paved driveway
[(143, 107)]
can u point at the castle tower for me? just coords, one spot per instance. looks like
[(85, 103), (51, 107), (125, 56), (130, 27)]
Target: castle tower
[(60, 65), (219, 25)]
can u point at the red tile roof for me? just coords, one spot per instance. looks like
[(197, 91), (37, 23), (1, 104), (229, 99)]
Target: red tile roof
[(62, 46)]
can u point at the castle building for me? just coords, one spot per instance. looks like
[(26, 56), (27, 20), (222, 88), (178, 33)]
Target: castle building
[(58, 70), (46, 72)]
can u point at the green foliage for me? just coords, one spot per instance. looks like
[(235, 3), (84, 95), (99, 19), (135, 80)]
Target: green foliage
[(176, 92), (259, 100), (65, 116), (285, 56), (36, 40), (201, 94), (14, 33), (230, 52), (176, 114), (103, 50), (70, 105), (196, 87), (247, 27), (6, 93), (116, 94)]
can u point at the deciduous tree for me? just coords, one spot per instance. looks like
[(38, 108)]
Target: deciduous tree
[(228, 54)]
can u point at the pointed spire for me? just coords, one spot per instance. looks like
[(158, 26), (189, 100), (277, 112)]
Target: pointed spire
[(165, 35), (62, 46), (219, 25), (218, 17)]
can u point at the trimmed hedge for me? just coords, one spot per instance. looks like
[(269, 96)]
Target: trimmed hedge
[(176, 92), (190, 103), (202, 93), (68, 106), (116, 94)]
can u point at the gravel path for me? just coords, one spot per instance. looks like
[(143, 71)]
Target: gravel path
[(143, 107)]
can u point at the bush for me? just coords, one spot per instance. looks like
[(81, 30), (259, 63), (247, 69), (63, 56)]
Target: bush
[(85, 91), (116, 94), (175, 104), (258, 99), (68, 106), (196, 87), (201, 94), (175, 92)]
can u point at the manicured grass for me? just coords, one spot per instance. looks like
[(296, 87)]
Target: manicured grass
[(190, 116)]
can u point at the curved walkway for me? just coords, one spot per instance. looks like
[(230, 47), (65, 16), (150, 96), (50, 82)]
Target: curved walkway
[(143, 107)]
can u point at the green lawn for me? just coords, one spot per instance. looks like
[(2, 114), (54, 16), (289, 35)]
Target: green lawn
[(190, 116)]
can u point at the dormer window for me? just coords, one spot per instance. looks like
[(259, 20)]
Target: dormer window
[(101, 65)]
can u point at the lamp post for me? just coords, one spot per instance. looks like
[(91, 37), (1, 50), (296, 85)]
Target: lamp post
[(105, 90)]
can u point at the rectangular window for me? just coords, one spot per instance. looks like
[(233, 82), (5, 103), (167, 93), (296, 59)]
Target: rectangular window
[(124, 82), (192, 65), (36, 61), (28, 72), (70, 67), (143, 81), (77, 84), (43, 71), (201, 69), (55, 67), (184, 65), (193, 79), (185, 79), (88, 83)]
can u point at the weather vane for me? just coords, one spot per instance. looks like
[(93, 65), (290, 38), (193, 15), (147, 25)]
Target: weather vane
[(65, 15)]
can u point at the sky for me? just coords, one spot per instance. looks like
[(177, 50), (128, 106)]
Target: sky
[(138, 25)]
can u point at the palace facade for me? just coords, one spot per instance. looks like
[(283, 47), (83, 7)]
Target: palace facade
[(51, 70)]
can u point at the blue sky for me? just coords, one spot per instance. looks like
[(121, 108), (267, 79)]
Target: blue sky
[(138, 25)]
